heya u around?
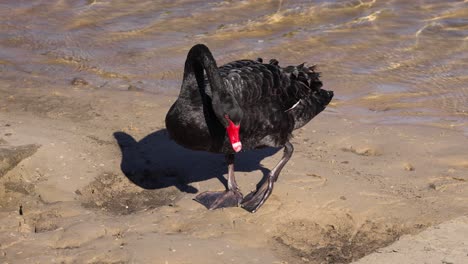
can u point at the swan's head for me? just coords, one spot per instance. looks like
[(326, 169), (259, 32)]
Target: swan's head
[(232, 121), (229, 114)]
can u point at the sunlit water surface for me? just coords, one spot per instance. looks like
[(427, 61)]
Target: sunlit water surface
[(387, 61)]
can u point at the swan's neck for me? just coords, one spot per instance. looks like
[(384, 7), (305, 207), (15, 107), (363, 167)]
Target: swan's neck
[(200, 60), (222, 104)]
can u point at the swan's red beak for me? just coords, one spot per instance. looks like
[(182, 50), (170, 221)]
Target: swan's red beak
[(233, 134)]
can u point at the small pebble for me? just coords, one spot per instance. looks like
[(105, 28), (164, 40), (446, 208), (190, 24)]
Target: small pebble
[(134, 88), (79, 81), (408, 167)]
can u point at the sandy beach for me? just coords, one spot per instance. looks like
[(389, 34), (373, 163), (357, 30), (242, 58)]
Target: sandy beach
[(88, 175)]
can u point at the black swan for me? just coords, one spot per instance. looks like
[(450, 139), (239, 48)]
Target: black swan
[(244, 104)]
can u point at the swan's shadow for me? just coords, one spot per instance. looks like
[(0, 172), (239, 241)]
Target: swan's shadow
[(157, 162)]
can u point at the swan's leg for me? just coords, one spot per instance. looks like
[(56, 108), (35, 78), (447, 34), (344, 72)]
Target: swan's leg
[(255, 199), (232, 197)]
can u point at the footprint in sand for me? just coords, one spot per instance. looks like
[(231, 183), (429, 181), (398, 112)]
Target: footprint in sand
[(308, 178), (363, 151), (443, 183)]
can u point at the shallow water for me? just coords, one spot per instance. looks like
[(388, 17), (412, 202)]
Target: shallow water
[(387, 61)]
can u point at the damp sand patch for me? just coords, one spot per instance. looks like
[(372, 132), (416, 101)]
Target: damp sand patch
[(341, 242), (117, 195)]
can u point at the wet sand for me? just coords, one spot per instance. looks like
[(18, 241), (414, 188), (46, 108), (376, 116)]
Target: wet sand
[(88, 175)]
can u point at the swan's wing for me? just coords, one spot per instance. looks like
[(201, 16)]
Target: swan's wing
[(253, 82), (270, 91)]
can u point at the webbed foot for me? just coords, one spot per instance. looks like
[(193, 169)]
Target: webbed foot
[(216, 200), (255, 199)]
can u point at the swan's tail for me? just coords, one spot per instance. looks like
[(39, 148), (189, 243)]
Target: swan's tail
[(305, 84), (305, 97), (305, 75)]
